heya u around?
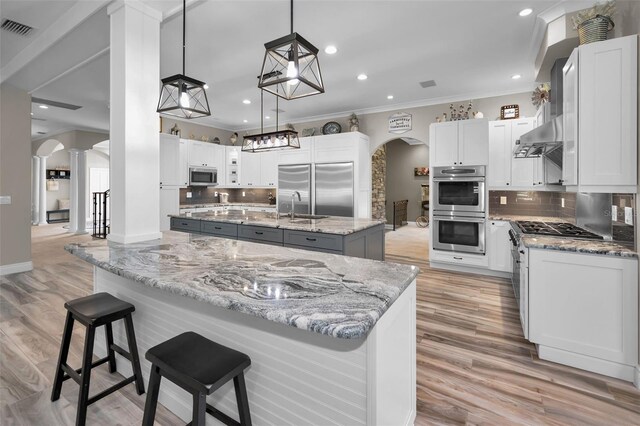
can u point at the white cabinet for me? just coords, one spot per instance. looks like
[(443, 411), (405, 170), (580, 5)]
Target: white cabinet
[(300, 155), (583, 310), (570, 120), (169, 204), (232, 166), (202, 153), (174, 167), (499, 246), (463, 142), (269, 169), (604, 81), (505, 171), (250, 173)]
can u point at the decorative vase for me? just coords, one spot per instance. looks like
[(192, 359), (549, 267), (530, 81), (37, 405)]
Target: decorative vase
[(595, 29)]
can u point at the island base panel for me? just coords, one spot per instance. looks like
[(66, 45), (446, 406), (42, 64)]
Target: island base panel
[(296, 377)]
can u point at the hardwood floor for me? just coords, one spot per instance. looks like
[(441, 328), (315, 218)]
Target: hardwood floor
[(474, 366)]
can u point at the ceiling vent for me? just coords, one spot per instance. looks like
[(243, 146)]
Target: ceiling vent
[(54, 103), (16, 27), (42, 133), (428, 83), (279, 111), (38, 119)]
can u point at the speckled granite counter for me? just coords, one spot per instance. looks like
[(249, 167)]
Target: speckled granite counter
[(329, 225), (328, 294), (577, 245)]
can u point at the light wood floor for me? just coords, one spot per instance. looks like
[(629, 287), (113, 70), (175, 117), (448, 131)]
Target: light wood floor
[(474, 366)]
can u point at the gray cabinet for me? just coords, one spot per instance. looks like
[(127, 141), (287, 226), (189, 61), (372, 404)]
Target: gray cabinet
[(188, 225), (260, 234), (313, 240), (220, 229)]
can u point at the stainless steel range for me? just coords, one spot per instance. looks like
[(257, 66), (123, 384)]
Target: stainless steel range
[(562, 229)]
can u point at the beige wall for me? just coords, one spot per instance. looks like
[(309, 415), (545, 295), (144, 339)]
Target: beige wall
[(15, 175), (193, 130), (402, 158)]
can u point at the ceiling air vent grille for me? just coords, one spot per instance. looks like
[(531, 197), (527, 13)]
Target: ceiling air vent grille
[(428, 83), (42, 133), (16, 27)]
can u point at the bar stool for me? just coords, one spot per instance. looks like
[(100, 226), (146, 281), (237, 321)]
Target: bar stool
[(200, 367), (92, 312)]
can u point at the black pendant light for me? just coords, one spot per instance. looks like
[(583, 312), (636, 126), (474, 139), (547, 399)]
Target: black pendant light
[(183, 96), (290, 68), (270, 141)]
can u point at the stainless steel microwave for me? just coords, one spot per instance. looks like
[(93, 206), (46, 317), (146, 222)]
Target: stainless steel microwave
[(203, 176)]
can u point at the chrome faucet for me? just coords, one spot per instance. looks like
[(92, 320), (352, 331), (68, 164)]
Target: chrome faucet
[(293, 203)]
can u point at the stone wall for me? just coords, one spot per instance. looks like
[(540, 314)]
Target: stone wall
[(378, 184)]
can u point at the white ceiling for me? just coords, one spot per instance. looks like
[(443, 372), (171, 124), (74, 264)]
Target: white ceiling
[(470, 48)]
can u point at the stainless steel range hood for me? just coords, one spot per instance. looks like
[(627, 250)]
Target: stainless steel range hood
[(546, 139)]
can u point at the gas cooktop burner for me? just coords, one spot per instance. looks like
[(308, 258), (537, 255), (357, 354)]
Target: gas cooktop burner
[(556, 229)]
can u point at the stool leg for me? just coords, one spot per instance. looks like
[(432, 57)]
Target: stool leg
[(110, 352), (242, 400), (133, 350), (152, 396), (62, 358), (199, 409), (85, 376)]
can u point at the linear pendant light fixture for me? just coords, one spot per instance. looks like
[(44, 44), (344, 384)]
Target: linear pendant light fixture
[(183, 96), (270, 141), (290, 68)]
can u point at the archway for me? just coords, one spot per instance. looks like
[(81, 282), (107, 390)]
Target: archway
[(394, 177)]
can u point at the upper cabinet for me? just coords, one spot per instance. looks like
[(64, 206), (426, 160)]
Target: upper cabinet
[(269, 169), (600, 117), (232, 166), (202, 154), (251, 167), (174, 168), (300, 155), (456, 143), (505, 171)]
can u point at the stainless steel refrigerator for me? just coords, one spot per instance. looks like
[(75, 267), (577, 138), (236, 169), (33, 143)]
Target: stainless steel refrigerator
[(332, 192)]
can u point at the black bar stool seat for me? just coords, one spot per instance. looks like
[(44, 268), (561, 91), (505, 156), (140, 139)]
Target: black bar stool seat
[(200, 367), (100, 309)]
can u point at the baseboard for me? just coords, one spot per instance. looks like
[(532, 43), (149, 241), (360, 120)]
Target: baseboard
[(636, 379), (16, 268), (589, 363), (455, 267), (130, 239)]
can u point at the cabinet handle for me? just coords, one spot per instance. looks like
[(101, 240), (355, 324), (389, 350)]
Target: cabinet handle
[(184, 224), (311, 239), (259, 233), (507, 183), (217, 227), (457, 258)]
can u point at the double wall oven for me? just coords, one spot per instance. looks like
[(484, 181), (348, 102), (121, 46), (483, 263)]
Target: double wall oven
[(459, 209)]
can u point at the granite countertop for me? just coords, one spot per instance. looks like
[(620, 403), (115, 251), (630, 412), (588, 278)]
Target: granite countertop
[(339, 296), (330, 225), (195, 206), (576, 245)]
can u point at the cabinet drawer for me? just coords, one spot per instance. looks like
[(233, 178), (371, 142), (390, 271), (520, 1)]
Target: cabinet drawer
[(220, 228), (189, 225), (313, 249), (476, 260), (260, 233), (313, 240)]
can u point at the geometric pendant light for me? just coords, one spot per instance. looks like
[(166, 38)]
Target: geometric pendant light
[(290, 68), (270, 141), (183, 96)]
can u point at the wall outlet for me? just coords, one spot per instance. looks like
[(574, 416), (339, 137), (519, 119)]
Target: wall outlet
[(215, 194), (5, 199), (628, 215), (562, 202), (503, 200), (189, 194), (614, 213)]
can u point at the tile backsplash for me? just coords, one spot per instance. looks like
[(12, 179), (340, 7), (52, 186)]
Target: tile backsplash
[(533, 203), (204, 195)]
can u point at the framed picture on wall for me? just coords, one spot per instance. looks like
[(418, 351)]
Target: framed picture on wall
[(508, 112), (421, 171)]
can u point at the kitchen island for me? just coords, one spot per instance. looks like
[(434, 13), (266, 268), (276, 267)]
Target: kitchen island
[(331, 338), (330, 234)]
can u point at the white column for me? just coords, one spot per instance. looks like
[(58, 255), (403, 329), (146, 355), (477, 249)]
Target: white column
[(42, 208), (81, 212), (134, 90), (35, 189), (73, 191)]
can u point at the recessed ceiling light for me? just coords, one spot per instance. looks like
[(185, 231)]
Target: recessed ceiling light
[(362, 77), (206, 86), (246, 102), (330, 50), (525, 12), (390, 97), (31, 113), (516, 76), (245, 121), (267, 117), (43, 106)]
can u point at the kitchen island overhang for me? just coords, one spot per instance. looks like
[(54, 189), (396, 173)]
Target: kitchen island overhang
[(332, 338)]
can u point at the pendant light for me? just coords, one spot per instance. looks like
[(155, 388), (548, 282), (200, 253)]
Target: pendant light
[(270, 141), (183, 96), (290, 68)]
